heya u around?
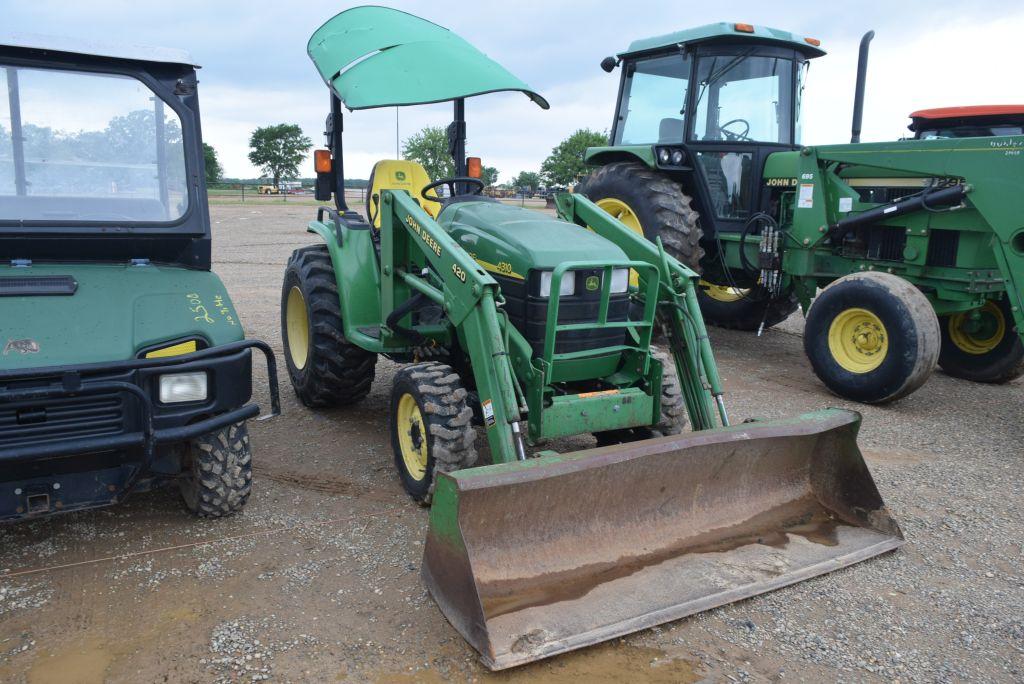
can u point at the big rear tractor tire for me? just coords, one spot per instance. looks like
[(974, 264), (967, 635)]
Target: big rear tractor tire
[(650, 204), (325, 368), (736, 308), (872, 337), (673, 409), (218, 472), (982, 348), (431, 426)]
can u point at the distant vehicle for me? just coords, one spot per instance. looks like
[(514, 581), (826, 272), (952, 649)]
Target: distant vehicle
[(268, 190), (967, 122)]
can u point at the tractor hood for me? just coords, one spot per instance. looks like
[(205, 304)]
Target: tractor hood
[(381, 57), (510, 241), (115, 312)]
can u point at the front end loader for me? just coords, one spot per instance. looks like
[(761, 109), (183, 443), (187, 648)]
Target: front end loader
[(912, 251), (527, 326)]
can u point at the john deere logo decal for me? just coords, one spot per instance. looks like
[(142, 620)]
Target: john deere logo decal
[(593, 282), (26, 346), (400, 175)]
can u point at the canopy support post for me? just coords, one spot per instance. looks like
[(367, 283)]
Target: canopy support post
[(335, 127), (457, 140), (17, 134)]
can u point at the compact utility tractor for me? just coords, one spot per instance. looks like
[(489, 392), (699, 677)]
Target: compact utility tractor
[(527, 327), (123, 362), (917, 246)]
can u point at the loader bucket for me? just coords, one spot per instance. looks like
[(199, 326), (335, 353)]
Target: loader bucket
[(534, 558)]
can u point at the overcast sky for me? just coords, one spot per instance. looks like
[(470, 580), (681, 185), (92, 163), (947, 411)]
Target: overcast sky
[(256, 72)]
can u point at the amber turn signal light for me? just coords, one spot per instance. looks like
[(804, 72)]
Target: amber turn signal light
[(474, 169), (322, 161)]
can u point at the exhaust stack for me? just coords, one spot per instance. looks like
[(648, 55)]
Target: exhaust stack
[(858, 96)]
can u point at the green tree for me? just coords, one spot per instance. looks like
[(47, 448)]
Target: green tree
[(527, 180), (429, 147), (564, 166), (489, 175), (213, 168), (278, 150)]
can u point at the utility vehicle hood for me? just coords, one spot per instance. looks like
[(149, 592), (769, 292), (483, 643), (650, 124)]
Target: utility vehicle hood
[(512, 240), (116, 312)]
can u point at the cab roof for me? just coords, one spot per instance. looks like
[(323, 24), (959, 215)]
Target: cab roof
[(95, 48), (969, 111), (724, 30), (382, 57)]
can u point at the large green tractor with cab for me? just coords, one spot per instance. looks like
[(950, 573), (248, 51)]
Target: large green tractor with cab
[(526, 327), (912, 251), (123, 364)]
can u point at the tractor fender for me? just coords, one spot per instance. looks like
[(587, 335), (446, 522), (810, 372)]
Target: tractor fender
[(602, 156)]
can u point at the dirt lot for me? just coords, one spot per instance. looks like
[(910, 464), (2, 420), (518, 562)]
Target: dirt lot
[(318, 580)]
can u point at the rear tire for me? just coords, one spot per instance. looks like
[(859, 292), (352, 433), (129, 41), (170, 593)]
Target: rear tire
[(993, 353), (872, 337), (649, 203), (324, 367), (218, 476), (740, 309), (431, 426), (673, 409)]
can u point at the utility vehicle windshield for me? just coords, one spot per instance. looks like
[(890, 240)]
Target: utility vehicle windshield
[(90, 147)]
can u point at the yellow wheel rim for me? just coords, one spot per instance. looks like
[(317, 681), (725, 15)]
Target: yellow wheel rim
[(297, 327), (412, 437), (858, 340), (979, 336), (722, 293), (625, 214)]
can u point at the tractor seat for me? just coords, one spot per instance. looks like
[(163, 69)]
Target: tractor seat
[(670, 131), (397, 174)]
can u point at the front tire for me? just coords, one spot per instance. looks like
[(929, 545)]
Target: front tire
[(742, 309), (984, 350), (218, 472), (324, 367), (650, 204), (431, 426), (872, 337)]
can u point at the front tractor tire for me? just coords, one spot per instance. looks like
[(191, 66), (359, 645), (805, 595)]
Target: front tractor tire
[(650, 204), (983, 347), (324, 367), (431, 426), (872, 337), (217, 479), (736, 308)]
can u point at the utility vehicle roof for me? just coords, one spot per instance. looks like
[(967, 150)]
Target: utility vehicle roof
[(381, 57), (727, 30), (92, 48), (965, 112)]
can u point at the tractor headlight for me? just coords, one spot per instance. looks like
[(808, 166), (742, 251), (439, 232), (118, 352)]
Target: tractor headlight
[(664, 156), (620, 280), (565, 289), (178, 388), (677, 157)]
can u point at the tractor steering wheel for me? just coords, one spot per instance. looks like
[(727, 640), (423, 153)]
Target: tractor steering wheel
[(732, 136), (451, 183)]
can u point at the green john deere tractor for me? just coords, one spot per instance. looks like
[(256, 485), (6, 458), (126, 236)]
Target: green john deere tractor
[(913, 251), (123, 363), (527, 327)]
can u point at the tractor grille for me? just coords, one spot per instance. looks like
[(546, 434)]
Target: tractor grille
[(942, 247), (30, 423), (886, 243)]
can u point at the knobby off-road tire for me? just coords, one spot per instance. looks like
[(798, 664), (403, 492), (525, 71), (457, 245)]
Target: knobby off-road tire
[(872, 337), (654, 205), (745, 312), (992, 354), (324, 367), (673, 409), (218, 472), (431, 426)]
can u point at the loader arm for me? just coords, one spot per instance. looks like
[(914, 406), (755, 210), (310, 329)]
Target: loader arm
[(410, 238), (677, 308)]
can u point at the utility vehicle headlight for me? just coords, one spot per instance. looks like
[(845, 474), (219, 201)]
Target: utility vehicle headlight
[(664, 156), (181, 387), (566, 289), (620, 280), (677, 157)]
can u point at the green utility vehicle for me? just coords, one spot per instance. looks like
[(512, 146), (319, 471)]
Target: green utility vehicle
[(917, 247), (123, 362), (526, 326)]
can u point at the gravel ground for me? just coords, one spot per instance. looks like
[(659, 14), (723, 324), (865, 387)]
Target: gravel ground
[(318, 579)]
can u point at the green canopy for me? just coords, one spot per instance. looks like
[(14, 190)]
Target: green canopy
[(381, 57)]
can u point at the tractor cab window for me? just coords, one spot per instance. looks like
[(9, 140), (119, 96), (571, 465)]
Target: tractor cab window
[(970, 131), (744, 98), (87, 147), (653, 101)]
